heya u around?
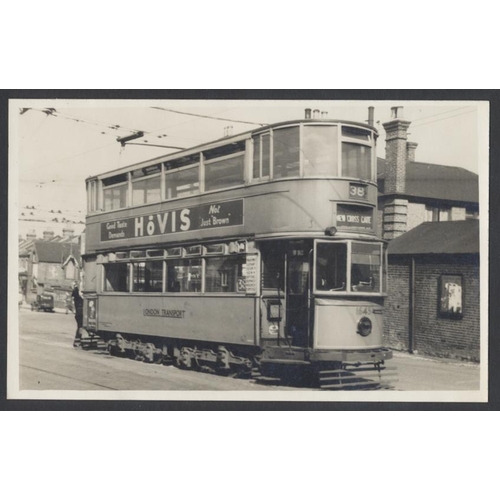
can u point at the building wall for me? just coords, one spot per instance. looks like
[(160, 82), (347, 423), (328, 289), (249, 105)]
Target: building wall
[(457, 213), (416, 215), (434, 335), (51, 275), (380, 219), (445, 337), (397, 305)]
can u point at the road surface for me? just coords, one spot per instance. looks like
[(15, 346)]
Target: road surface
[(48, 361)]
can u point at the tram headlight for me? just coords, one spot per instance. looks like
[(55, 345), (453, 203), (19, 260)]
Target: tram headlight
[(364, 326)]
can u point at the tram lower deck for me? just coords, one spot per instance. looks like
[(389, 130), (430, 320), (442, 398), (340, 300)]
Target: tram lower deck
[(270, 307)]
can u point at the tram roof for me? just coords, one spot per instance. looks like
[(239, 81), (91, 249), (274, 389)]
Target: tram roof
[(226, 140)]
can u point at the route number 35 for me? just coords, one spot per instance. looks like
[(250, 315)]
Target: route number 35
[(357, 191)]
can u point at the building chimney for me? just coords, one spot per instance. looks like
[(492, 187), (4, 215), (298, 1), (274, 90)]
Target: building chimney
[(397, 112), (48, 235), (308, 113), (68, 232), (410, 150), (31, 236), (395, 153), (316, 114), (371, 116), (324, 115), (395, 213)]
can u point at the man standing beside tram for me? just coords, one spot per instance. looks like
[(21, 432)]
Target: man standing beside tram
[(77, 297)]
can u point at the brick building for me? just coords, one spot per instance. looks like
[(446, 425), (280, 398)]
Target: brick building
[(50, 264), (429, 213), (433, 301), (412, 192)]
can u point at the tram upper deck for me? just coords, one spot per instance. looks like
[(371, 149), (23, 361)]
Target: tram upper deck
[(297, 177)]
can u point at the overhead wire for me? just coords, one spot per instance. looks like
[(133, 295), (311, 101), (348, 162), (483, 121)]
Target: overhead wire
[(444, 118), (116, 127), (439, 114), (208, 116), (68, 157)]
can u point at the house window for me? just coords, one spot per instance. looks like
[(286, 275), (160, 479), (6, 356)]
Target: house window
[(471, 214), (70, 270), (451, 296), (437, 214), (444, 214)]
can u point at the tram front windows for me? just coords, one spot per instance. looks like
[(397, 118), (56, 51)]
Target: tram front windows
[(331, 267), (365, 267)]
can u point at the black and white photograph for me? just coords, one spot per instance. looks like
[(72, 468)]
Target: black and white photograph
[(248, 249)]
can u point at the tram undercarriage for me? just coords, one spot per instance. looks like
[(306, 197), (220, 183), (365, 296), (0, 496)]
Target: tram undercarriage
[(288, 365)]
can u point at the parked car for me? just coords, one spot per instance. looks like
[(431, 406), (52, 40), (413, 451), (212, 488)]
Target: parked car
[(44, 302)]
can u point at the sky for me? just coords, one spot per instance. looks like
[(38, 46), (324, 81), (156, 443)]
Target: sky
[(55, 150)]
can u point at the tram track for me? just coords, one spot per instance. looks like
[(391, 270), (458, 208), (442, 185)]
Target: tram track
[(49, 372)]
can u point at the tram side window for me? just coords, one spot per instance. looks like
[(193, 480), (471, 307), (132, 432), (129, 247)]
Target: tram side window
[(92, 196), (223, 173), (183, 182), (225, 274), (365, 268), (331, 266), (224, 166), (184, 275), (320, 150), (273, 271), (145, 189), (147, 276), (116, 277), (286, 149), (356, 161), (115, 192), (261, 156)]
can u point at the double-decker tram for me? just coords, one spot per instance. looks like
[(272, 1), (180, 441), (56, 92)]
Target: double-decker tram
[(253, 253)]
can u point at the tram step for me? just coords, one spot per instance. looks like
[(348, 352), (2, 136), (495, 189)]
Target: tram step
[(358, 378)]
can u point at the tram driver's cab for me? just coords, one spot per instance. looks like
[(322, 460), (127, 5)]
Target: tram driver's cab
[(296, 273)]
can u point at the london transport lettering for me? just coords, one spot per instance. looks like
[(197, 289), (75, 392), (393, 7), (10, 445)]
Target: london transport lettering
[(164, 313), (224, 214)]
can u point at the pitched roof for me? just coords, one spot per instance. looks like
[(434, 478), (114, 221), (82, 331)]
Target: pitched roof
[(441, 182), (452, 237), (55, 251)]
